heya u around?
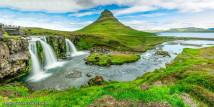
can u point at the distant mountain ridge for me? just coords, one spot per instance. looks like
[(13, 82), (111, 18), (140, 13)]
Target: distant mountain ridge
[(189, 29), (212, 29)]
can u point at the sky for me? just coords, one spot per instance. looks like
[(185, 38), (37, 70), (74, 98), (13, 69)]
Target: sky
[(71, 15)]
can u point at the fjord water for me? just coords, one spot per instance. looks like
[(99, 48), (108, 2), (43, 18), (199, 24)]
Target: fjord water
[(188, 34), (74, 72)]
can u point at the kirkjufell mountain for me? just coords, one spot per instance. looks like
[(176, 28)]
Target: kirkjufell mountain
[(107, 23)]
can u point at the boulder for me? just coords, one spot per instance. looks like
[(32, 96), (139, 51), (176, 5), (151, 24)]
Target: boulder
[(89, 74), (83, 86), (97, 80), (108, 64), (164, 53)]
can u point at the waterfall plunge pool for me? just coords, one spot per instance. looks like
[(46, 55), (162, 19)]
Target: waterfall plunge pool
[(73, 73)]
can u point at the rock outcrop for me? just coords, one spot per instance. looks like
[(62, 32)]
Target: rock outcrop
[(96, 81), (14, 57), (164, 53), (58, 44)]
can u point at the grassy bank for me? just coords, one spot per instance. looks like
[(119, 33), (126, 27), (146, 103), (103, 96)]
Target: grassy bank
[(10, 37), (189, 77), (120, 42), (111, 59)]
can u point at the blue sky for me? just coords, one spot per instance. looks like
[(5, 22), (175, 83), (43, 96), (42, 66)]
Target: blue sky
[(70, 15)]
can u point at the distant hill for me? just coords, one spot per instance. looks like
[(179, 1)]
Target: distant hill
[(212, 29), (108, 24), (188, 29)]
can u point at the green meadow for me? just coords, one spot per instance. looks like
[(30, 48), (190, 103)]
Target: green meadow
[(190, 73)]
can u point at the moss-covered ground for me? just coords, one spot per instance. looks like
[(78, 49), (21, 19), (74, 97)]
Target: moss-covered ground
[(10, 37), (113, 59), (192, 72)]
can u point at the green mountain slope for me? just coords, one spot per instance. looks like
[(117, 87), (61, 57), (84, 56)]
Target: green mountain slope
[(107, 33), (107, 23)]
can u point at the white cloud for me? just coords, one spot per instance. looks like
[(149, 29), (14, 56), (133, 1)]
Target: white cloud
[(145, 15), (153, 15), (85, 13), (181, 5), (63, 6), (40, 20), (200, 20)]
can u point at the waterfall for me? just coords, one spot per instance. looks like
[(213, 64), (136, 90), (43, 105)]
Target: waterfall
[(70, 48), (44, 38), (49, 54), (36, 67)]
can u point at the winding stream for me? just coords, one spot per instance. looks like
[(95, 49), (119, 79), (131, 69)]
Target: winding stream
[(74, 72)]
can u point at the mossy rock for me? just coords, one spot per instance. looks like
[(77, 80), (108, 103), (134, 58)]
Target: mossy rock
[(164, 53)]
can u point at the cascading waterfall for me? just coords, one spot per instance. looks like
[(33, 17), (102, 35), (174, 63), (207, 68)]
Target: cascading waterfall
[(70, 48), (49, 54), (44, 38), (36, 66), (37, 72)]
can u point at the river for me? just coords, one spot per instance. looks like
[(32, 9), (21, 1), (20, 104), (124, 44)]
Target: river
[(74, 72)]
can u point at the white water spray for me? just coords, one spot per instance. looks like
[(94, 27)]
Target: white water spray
[(70, 48), (49, 54), (44, 38), (37, 72), (36, 66)]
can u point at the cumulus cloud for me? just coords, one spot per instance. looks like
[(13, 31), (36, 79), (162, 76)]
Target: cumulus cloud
[(200, 20), (85, 13), (145, 15), (40, 20), (181, 5), (63, 6)]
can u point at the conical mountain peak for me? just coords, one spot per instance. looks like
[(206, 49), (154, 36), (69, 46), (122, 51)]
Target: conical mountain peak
[(107, 23), (106, 15)]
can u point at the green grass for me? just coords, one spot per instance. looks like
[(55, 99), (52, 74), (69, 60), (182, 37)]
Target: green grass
[(116, 59), (13, 87), (186, 76), (10, 37)]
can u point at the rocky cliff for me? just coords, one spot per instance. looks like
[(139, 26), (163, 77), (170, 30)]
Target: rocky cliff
[(14, 58)]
